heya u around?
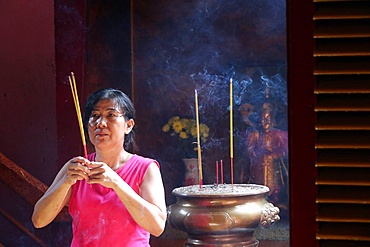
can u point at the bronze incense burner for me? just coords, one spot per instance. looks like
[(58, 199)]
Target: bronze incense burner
[(225, 215)]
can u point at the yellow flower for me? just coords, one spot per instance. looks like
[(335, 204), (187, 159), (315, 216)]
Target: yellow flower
[(193, 131), (183, 135), (166, 128), (204, 131), (173, 119), (185, 131), (177, 126)]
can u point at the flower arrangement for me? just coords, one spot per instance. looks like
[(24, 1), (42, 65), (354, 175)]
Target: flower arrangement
[(185, 131)]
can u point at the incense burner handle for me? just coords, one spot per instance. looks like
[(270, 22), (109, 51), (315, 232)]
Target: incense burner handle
[(270, 215)]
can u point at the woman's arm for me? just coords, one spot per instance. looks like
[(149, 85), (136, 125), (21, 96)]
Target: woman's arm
[(59, 192), (152, 191), (148, 209)]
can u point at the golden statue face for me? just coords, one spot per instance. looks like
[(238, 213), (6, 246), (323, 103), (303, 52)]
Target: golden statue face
[(267, 121)]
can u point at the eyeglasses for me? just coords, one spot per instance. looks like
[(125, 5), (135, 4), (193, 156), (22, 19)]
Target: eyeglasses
[(111, 116)]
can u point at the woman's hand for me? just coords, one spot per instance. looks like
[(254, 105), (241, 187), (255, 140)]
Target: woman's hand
[(101, 173), (77, 169)]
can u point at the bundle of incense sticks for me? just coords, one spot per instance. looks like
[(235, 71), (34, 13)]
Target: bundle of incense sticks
[(72, 83)]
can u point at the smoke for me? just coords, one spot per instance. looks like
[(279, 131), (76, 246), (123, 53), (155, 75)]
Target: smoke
[(201, 45)]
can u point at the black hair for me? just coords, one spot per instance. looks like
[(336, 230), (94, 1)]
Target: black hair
[(121, 100)]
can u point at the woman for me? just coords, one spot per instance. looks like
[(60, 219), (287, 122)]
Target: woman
[(115, 198)]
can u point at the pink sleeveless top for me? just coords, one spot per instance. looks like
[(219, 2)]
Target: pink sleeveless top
[(100, 218)]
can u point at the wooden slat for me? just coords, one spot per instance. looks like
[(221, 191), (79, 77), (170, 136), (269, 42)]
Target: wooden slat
[(343, 10), (343, 66), (342, 102), (348, 231), (343, 139), (343, 126), (340, 213), (342, 47), (343, 176), (343, 84), (342, 29), (332, 163), (343, 194), (335, 1), (347, 243), (342, 120), (354, 158)]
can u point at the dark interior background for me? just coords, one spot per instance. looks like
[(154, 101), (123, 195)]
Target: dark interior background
[(158, 56)]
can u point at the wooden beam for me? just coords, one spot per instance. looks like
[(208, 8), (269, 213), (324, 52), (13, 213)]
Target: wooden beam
[(25, 185)]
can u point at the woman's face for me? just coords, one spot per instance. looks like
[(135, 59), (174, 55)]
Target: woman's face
[(107, 125)]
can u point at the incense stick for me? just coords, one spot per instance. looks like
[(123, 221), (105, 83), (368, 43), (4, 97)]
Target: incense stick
[(231, 134), (217, 173), (222, 171), (72, 83), (198, 141)]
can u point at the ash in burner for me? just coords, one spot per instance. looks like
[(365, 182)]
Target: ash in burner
[(223, 189)]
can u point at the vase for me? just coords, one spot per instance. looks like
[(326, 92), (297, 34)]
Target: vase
[(222, 216), (191, 171)]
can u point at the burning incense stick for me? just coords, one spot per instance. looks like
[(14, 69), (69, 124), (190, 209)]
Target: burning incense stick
[(217, 173), (231, 134), (222, 172), (72, 83), (198, 140)]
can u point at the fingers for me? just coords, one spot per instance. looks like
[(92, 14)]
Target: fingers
[(101, 173), (93, 165), (78, 168), (80, 160), (97, 169)]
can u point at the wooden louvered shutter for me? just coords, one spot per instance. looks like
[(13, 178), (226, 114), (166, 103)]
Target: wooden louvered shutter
[(342, 71)]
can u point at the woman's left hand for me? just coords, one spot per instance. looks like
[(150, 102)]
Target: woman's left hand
[(101, 173)]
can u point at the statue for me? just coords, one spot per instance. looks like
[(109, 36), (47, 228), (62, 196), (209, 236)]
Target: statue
[(267, 148)]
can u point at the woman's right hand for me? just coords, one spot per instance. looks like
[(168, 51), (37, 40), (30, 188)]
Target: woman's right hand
[(76, 169)]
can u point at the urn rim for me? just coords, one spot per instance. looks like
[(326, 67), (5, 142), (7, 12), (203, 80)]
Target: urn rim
[(224, 190)]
